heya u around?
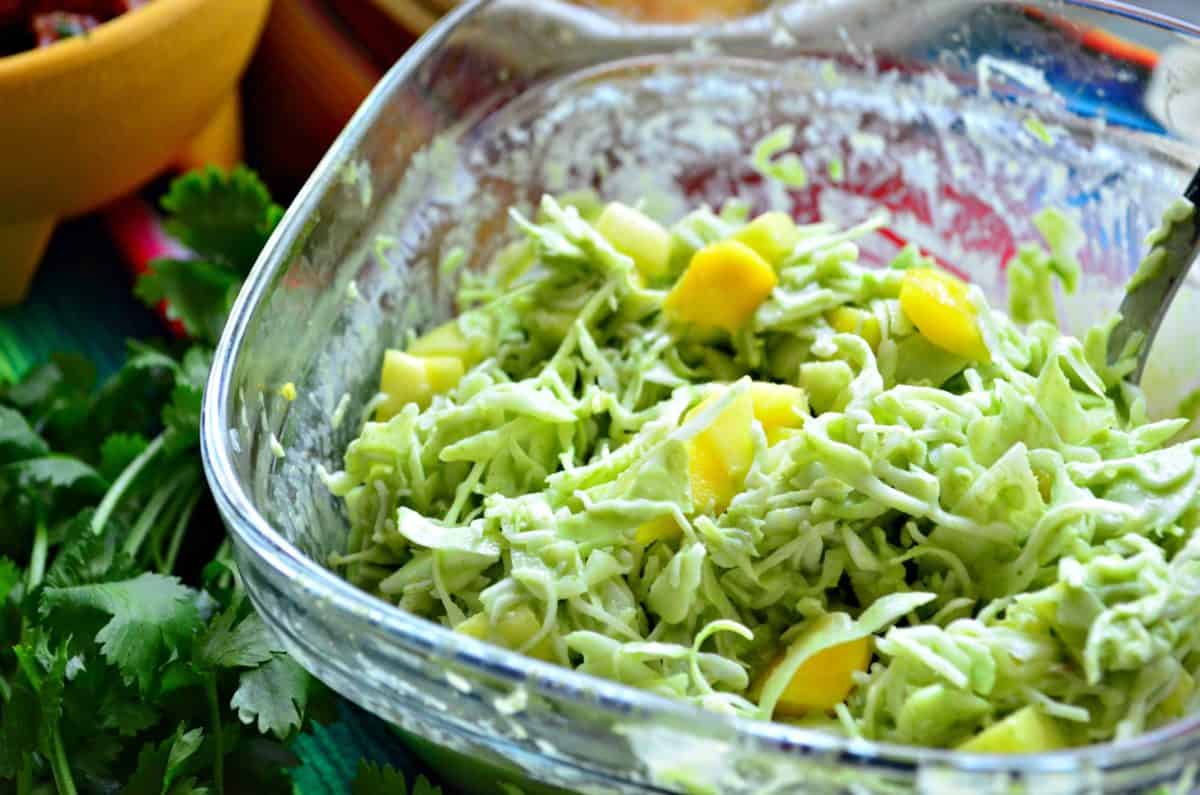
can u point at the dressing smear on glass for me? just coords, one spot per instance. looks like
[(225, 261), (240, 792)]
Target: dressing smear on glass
[(725, 462)]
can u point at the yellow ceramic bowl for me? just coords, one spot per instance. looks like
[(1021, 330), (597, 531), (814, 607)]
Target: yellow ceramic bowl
[(88, 119)]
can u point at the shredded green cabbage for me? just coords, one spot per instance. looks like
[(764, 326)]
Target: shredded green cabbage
[(1011, 533)]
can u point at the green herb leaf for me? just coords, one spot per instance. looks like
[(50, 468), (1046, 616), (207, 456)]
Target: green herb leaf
[(18, 726), (160, 765), (86, 557), (17, 439), (199, 293), (373, 779), (246, 644), (54, 395), (273, 696), (181, 418), (223, 217), (54, 473), (118, 451), (152, 618)]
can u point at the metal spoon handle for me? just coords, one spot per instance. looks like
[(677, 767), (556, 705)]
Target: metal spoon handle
[(1174, 246)]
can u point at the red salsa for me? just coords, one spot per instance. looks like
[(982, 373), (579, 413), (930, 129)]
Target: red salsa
[(26, 24)]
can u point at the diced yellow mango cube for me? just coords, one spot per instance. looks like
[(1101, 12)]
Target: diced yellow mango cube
[(772, 235), (937, 304), (664, 528), (823, 680), (722, 287), (442, 373), (447, 340), (637, 236), (414, 379), (718, 459), (779, 408), (720, 456), (512, 631), (1026, 731), (849, 320)]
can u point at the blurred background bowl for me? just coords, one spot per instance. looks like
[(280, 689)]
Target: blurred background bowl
[(90, 118)]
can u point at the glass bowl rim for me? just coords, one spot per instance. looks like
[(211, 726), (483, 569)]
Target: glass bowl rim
[(553, 682)]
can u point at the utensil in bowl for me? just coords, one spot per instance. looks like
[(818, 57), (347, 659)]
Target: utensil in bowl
[(1150, 292), (90, 118), (927, 108)]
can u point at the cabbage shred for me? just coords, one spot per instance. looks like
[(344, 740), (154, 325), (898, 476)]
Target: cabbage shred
[(1021, 525)]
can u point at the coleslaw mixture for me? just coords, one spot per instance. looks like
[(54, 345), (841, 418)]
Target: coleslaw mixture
[(854, 498)]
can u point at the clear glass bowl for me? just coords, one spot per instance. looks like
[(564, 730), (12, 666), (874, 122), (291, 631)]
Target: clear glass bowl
[(934, 109)]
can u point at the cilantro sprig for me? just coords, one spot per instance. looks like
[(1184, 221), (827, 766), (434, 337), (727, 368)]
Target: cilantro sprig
[(131, 660)]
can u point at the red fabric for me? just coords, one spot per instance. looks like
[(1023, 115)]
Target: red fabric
[(138, 234)]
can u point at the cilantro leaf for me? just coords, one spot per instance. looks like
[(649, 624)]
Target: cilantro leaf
[(373, 779), (55, 394), (131, 399), (159, 766), (194, 367), (247, 644), (17, 439), (223, 217), (423, 786), (274, 695), (33, 490), (181, 416), (118, 451), (152, 617), (18, 726), (50, 670), (147, 357), (54, 473), (199, 294), (86, 557)]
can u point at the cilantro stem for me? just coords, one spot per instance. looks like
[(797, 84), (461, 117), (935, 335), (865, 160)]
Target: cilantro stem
[(214, 711), (37, 567), (37, 560), (25, 776), (167, 566), (60, 766), (118, 488), (145, 521)]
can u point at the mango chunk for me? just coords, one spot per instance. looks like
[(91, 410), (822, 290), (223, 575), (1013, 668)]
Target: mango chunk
[(779, 408), (664, 528), (414, 379), (823, 680), (637, 236), (512, 631), (720, 456), (722, 287), (718, 459), (1026, 731), (447, 340), (772, 235), (937, 304), (849, 320)]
